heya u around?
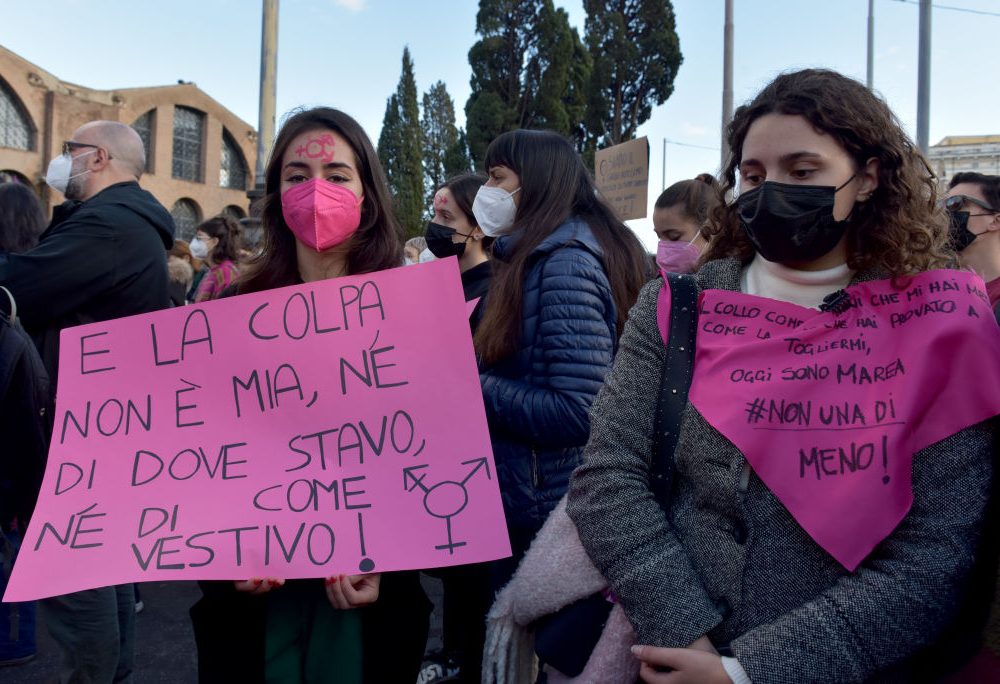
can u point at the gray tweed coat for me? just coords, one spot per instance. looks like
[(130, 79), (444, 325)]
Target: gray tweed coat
[(733, 564)]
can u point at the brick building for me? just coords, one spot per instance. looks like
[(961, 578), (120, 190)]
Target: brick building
[(200, 156)]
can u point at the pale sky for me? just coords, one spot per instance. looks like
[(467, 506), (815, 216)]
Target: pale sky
[(346, 53)]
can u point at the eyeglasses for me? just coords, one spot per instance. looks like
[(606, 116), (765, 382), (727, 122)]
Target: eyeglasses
[(956, 202), (71, 145)]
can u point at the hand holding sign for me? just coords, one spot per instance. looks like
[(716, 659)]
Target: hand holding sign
[(266, 436), (352, 591)]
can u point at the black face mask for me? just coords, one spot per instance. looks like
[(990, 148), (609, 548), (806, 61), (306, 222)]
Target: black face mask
[(791, 223), (961, 236), (439, 241)]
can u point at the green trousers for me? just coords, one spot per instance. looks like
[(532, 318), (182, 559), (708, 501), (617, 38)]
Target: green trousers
[(308, 641)]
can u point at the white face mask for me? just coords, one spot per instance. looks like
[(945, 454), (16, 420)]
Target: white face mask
[(494, 209), (426, 256), (59, 173), (199, 250)]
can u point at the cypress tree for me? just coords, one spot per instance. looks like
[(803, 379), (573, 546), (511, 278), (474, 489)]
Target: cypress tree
[(529, 70), (400, 150), (444, 144)]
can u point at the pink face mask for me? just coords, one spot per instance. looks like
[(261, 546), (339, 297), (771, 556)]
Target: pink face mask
[(321, 214), (677, 257)]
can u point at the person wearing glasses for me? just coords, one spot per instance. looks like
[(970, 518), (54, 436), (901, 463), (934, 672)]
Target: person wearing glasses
[(973, 203), (100, 258)]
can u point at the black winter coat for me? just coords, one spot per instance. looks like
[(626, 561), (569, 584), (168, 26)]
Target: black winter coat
[(475, 285), (25, 407), (537, 401), (99, 259)]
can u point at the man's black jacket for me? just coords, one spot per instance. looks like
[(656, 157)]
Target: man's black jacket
[(97, 260)]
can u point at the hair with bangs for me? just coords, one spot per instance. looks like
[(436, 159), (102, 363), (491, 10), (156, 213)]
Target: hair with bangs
[(555, 186)]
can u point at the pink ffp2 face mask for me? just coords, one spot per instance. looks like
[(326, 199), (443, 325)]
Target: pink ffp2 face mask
[(676, 256), (321, 214)]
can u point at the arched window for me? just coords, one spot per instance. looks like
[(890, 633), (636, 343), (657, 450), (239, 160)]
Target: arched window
[(189, 132), (15, 127), (187, 216), (232, 169), (144, 127)]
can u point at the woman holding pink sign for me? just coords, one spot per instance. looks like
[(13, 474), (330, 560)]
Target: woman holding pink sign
[(327, 212), (811, 504)]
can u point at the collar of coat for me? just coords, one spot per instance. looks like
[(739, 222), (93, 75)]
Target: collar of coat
[(572, 231)]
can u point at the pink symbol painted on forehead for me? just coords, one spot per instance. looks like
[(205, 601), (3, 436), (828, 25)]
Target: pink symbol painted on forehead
[(318, 148), (440, 201)]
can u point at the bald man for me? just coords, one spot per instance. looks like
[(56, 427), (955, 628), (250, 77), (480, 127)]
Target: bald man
[(102, 257)]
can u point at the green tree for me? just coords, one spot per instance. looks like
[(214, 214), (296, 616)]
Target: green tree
[(400, 150), (635, 57), (445, 150), (457, 160), (529, 70)]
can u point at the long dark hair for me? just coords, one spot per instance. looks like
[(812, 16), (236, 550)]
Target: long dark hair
[(21, 218), (899, 230), (227, 230), (378, 242), (555, 186)]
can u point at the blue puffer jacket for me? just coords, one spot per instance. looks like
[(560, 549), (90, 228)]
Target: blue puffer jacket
[(538, 400)]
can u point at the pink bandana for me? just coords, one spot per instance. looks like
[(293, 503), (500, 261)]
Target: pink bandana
[(829, 408)]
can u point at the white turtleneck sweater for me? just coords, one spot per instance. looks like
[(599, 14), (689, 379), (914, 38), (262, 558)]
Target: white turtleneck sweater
[(806, 288)]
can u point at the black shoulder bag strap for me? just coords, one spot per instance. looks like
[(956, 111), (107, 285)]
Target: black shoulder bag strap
[(674, 381), (566, 638)]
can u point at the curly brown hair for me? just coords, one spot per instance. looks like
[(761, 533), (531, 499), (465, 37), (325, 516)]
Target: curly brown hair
[(901, 229)]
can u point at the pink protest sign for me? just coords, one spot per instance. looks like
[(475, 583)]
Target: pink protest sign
[(333, 427), (833, 406)]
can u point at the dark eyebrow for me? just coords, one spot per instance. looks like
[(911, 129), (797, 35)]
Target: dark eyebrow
[(785, 158), (796, 156), (331, 165), (339, 165)]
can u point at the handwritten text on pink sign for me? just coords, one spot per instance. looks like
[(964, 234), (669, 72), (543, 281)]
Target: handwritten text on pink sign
[(332, 427), (834, 405)]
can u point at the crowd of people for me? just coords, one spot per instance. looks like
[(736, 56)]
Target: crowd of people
[(646, 546)]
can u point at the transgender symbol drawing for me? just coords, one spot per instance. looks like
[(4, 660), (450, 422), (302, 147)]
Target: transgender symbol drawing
[(446, 499)]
